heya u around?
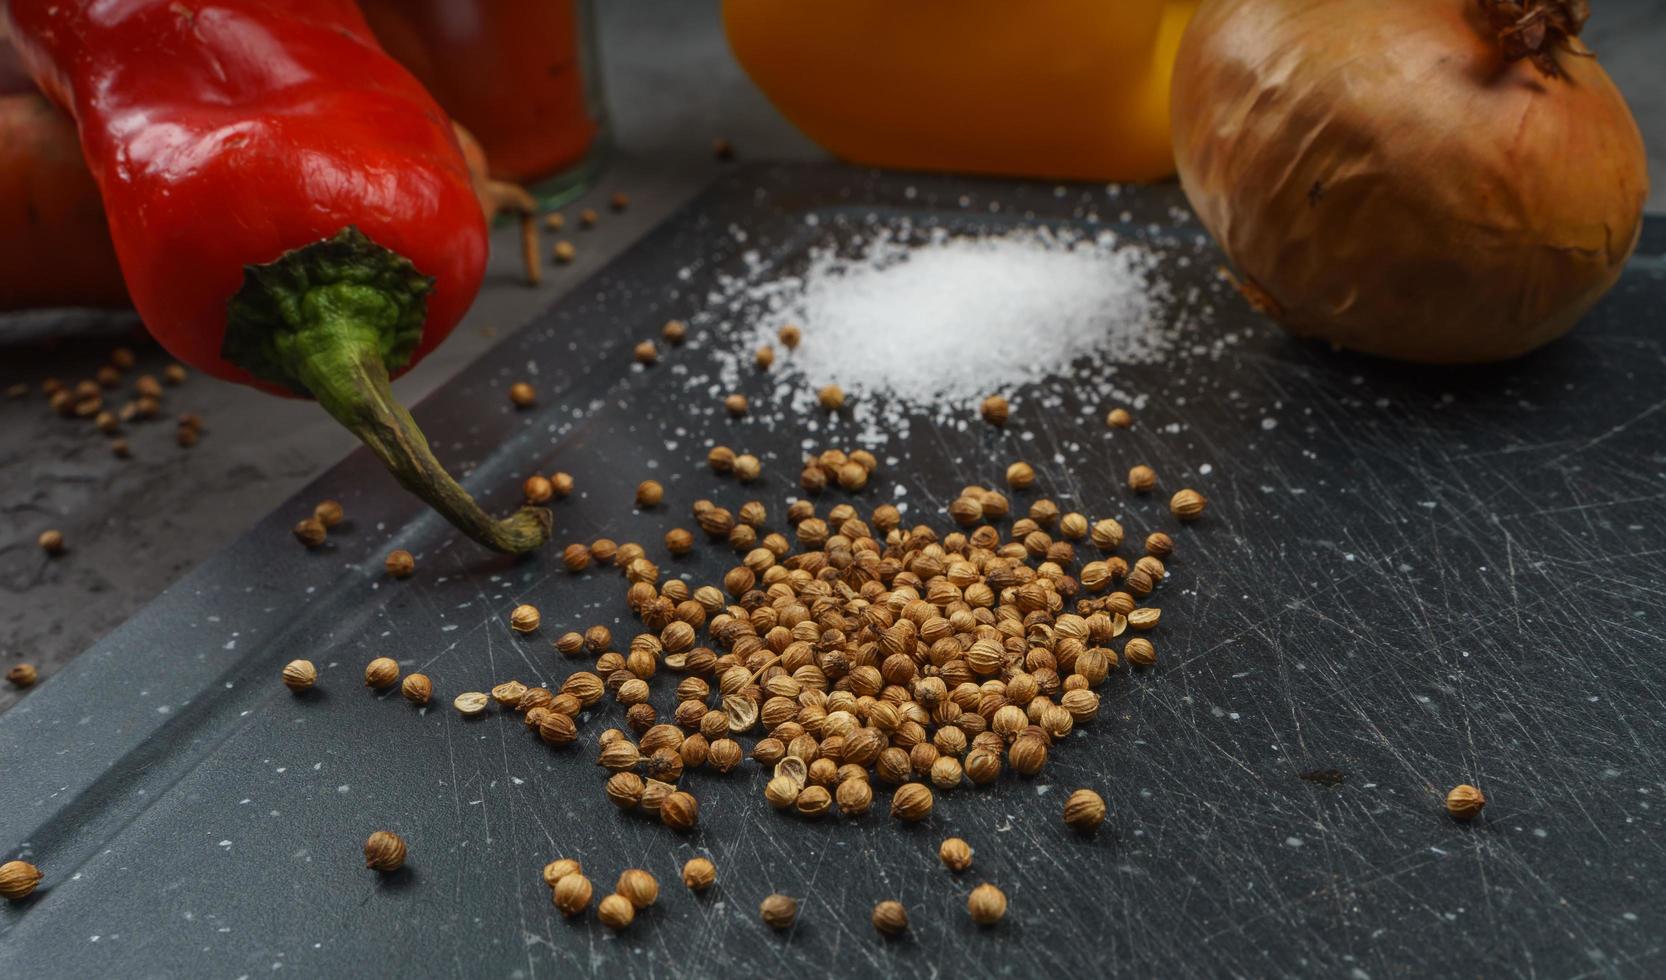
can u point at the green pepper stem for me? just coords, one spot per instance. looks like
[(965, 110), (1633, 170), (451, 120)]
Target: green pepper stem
[(327, 320)]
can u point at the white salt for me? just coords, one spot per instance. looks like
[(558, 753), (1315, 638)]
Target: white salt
[(931, 324)]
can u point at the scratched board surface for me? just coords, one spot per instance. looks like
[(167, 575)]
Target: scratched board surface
[(1407, 579)]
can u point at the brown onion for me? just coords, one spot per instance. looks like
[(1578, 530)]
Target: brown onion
[(1410, 178)]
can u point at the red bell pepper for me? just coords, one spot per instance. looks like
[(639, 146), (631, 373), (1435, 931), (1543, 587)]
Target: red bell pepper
[(290, 208)]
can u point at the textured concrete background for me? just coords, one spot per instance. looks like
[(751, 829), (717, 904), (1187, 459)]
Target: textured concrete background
[(134, 525)]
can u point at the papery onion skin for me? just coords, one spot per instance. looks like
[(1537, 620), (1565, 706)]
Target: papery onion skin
[(1382, 178)]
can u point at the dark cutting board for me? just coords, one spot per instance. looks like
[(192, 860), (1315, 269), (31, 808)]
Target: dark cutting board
[(1407, 579)]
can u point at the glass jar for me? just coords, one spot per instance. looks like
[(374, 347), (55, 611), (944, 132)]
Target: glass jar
[(522, 76)]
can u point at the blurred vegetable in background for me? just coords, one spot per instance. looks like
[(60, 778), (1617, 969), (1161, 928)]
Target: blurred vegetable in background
[(1443, 181), (1074, 89)]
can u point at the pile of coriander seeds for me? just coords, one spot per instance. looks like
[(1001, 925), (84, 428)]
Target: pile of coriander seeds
[(862, 652)]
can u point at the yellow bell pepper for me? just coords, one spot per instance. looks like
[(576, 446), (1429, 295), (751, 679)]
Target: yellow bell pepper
[(1073, 89)]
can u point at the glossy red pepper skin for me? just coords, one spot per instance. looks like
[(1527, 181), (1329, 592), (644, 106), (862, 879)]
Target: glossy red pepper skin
[(224, 133)]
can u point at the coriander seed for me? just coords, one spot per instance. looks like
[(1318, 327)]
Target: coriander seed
[(587, 218), (747, 467), (890, 918), (174, 374), (778, 911), (555, 221), (522, 395), (1159, 544), (721, 459), (400, 563), (559, 869), (649, 493), (994, 410), (561, 483), (537, 489), (789, 336), (680, 811), (329, 513), (699, 874), (571, 893), (645, 352), (616, 912), (955, 854), (1464, 802), (471, 703), (524, 618), (381, 672), (384, 851), (576, 557), (624, 789), (832, 398), (1187, 505), (1118, 418), (987, 905), (1020, 475), (764, 357), (735, 404), (911, 803), (1142, 479), (564, 251), (509, 693), (22, 675), (619, 201), (854, 796), (309, 531), (679, 541), (1140, 652), (639, 887), (417, 688), (1084, 811), (813, 801), (18, 880), (299, 675), (674, 332)]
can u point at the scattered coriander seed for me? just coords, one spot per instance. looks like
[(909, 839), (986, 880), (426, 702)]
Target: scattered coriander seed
[(1140, 652), (890, 918), (679, 541), (471, 703), (987, 905), (764, 358), (571, 893), (120, 448), (994, 410), (299, 675), (624, 789), (1073, 526), (18, 880), (680, 811), (852, 476), (417, 688), (789, 335), (537, 489), (186, 436), (22, 675), (400, 563), (123, 358), (778, 911), (1106, 535), (106, 422), (555, 221), (381, 672), (559, 869), (328, 513), (1142, 479), (1144, 618), (576, 557), (309, 531), (174, 374), (522, 395), (723, 149), (832, 398), (1187, 505), (649, 493), (619, 201), (955, 854), (570, 643), (561, 483), (854, 797), (509, 693), (1118, 418), (1084, 811), (384, 851), (1159, 544), (146, 385), (1020, 475), (912, 802), (639, 887), (51, 542), (1464, 802), (524, 618), (645, 352), (735, 404), (564, 251), (747, 467), (587, 218), (616, 912), (699, 874), (674, 331), (721, 459)]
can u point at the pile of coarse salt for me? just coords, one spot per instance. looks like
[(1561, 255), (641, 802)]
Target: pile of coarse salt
[(909, 324)]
